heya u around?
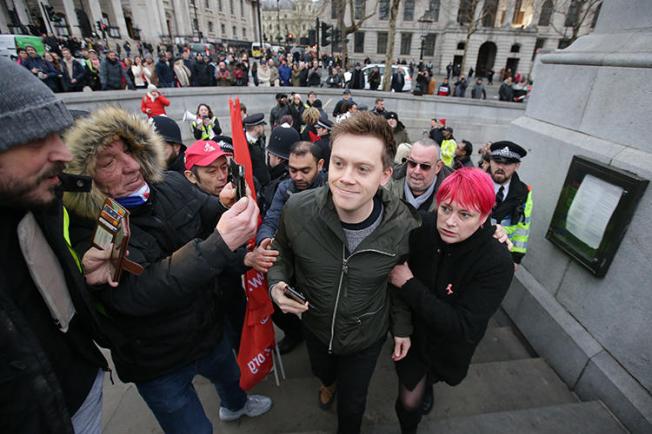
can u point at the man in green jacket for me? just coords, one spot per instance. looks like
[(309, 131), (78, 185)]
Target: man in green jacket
[(337, 245)]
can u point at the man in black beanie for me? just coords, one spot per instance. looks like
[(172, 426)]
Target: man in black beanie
[(52, 372)]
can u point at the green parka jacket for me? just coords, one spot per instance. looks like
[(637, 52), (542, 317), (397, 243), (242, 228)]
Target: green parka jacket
[(350, 306)]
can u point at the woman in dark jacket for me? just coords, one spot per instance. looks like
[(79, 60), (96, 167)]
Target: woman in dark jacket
[(455, 278)]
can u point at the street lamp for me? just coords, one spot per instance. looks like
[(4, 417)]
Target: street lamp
[(424, 25)]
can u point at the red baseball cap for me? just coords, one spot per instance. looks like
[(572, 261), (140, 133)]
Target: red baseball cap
[(203, 153)]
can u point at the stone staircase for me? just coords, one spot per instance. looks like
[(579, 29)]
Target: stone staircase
[(508, 390)]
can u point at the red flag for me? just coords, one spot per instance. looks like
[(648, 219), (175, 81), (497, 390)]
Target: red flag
[(255, 357)]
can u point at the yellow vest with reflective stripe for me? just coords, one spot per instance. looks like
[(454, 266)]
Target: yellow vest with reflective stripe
[(448, 148)]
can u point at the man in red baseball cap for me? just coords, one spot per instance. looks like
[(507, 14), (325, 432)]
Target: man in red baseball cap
[(207, 167)]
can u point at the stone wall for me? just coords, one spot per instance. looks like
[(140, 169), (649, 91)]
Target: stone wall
[(474, 120), (592, 99)]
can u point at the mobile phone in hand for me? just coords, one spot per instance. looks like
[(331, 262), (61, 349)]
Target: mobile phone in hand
[(237, 178), (295, 295)]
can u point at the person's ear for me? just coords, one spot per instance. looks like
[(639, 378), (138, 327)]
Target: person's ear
[(190, 176), (320, 164), (387, 175)]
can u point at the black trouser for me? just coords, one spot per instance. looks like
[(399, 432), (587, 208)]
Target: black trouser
[(351, 372), (288, 322)]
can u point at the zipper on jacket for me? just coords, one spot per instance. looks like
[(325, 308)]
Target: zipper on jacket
[(345, 269)]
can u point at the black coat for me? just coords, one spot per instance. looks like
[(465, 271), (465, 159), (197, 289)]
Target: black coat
[(172, 314), (201, 74), (448, 326), (32, 396)]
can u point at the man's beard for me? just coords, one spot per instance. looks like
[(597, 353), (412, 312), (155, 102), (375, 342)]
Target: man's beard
[(15, 192)]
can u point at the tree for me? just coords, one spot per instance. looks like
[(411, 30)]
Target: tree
[(575, 15), (470, 17), (389, 53), (345, 30)]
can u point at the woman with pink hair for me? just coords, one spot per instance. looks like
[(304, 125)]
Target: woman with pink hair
[(454, 280)]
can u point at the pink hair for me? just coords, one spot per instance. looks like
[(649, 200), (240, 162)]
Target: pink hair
[(471, 188)]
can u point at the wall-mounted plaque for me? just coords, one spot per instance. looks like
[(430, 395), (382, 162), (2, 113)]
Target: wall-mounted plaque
[(595, 206)]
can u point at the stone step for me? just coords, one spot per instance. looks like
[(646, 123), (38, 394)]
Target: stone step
[(574, 418), (498, 344), (489, 387)]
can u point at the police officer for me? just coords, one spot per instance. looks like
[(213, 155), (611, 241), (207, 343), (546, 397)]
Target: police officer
[(513, 209), (324, 127), (278, 154), (255, 134), (174, 150)]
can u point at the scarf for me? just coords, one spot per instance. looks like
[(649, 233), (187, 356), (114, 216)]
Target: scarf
[(135, 199), (416, 202)]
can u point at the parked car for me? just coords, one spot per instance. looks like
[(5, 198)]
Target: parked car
[(407, 87)]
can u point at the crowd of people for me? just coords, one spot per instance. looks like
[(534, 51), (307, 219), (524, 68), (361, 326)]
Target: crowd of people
[(70, 65), (380, 234)]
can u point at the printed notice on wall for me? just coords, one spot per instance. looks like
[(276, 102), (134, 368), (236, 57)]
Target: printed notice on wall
[(592, 207)]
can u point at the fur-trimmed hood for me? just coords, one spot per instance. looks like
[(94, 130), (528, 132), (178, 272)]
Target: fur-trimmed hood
[(102, 128)]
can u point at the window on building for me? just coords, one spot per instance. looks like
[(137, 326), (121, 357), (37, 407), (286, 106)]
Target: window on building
[(358, 42), (563, 43), (466, 11), (596, 12), (242, 13), (489, 12), (359, 9), (515, 48), (244, 33), (208, 4), (333, 10), (219, 5), (546, 13), (210, 27), (573, 14), (232, 8), (235, 32), (433, 7), (408, 10), (519, 14), (381, 47), (538, 46), (429, 44), (383, 10), (406, 44), (460, 45), (223, 26)]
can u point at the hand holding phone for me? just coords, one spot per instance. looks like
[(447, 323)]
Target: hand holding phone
[(237, 178)]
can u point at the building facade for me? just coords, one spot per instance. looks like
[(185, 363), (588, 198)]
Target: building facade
[(508, 32), (287, 21), (230, 21)]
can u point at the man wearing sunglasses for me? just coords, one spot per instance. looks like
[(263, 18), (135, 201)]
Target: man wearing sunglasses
[(417, 180)]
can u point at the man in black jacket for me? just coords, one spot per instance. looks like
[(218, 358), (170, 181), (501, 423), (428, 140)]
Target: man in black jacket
[(170, 316), (51, 370)]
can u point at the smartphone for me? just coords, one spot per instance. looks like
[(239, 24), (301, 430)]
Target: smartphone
[(295, 295), (237, 178)]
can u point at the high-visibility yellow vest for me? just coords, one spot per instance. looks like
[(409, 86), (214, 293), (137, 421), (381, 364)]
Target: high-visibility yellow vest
[(448, 148), (519, 232)]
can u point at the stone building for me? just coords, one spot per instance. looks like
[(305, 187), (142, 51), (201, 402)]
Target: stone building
[(508, 34), (288, 20), (231, 21)]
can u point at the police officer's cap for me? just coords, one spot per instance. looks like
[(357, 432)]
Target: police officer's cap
[(281, 140), (168, 129), (507, 152), (225, 142), (325, 123), (254, 119)]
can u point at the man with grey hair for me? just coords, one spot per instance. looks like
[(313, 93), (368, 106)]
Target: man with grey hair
[(417, 180)]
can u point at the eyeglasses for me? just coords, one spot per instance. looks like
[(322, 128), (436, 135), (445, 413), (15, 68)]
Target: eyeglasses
[(423, 166)]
